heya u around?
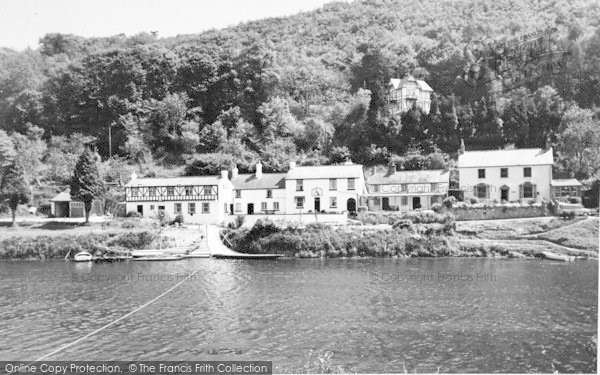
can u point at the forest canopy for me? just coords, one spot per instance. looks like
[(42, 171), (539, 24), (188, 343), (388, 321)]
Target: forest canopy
[(309, 87)]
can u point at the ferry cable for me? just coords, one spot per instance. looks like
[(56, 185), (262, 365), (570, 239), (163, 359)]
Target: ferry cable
[(119, 319)]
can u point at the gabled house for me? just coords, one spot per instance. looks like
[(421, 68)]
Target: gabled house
[(407, 92), (506, 175)]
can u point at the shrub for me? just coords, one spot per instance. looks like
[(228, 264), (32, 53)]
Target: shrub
[(473, 200), (437, 207), (163, 218), (178, 219), (448, 202), (133, 214), (403, 224)]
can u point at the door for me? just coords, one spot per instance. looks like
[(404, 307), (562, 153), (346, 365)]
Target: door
[(317, 204), (161, 208), (504, 193), (385, 204), (140, 209), (231, 209), (416, 203), (250, 208), (351, 205)]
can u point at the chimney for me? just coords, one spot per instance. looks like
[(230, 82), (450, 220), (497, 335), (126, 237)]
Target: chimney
[(224, 174), (391, 168), (258, 172), (548, 144), (134, 176), (234, 172), (292, 165), (461, 150)]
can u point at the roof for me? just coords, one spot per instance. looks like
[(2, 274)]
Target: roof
[(326, 171), (175, 181), (396, 83), (566, 182), (408, 177), (64, 196), (267, 181), (506, 158)]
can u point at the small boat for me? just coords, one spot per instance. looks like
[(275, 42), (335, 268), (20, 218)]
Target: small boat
[(82, 256), (560, 257)]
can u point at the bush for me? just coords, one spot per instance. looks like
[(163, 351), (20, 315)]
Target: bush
[(473, 200), (437, 207), (448, 202), (163, 218), (403, 224), (133, 214), (178, 219)]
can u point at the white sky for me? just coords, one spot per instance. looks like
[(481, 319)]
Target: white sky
[(24, 22)]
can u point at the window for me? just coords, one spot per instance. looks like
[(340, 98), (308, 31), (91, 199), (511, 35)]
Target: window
[(434, 188), (263, 206), (276, 206), (205, 207), (527, 172), (191, 208), (299, 201), (481, 173), (332, 202), (269, 193), (332, 184), (189, 190), (481, 191), (177, 208), (527, 190), (404, 201), (135, 192), (434, 199), (238, 207), (238, 193), (300, 185), (170, 190), (152, 191), (503, 172), (350, 184), (151, 207)]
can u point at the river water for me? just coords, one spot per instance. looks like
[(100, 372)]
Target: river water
[(374, 315)]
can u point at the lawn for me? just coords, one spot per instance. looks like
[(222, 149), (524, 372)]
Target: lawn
[(510, 228), (583, 235)]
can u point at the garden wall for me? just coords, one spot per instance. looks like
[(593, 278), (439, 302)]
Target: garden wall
[(283, 220), (498, 212)]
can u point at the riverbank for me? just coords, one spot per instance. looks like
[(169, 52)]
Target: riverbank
[(438, 237)]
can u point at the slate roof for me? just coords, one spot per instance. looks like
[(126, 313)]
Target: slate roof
[(397, 83), (175, 181), (506, 158), (325, 171), (383, 177), (63, 196), (565, 182), (267, 181)]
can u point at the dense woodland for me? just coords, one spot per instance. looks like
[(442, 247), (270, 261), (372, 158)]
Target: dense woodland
[(309, 87)]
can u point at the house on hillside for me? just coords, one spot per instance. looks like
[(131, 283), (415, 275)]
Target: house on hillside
[(258, 192), (506, 175), (199, 199), (328, 188), (392, 190), (407, 92)]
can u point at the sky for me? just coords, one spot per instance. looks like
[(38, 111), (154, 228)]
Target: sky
[(24, 22)]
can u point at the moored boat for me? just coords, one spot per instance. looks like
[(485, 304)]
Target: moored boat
[(559, 257), (82, 256)]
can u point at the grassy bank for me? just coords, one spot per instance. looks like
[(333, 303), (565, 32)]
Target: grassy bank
[(55, 239), (431, 236)]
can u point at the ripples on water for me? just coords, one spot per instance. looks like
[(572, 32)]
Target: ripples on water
[(533, 315)]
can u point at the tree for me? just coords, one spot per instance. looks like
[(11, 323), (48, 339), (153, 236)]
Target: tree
[(14, 189), (86, 184), (579, 143)]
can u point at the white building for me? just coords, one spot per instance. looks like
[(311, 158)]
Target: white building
[(391, 190), (506, 175), (258, 193), (329, 188), (200, 199), (407, 92)]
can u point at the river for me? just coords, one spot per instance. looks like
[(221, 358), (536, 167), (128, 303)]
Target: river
[(374, 315)]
